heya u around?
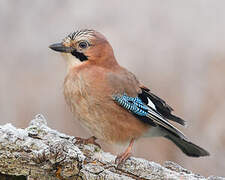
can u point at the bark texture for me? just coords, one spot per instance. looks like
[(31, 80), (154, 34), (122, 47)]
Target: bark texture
[(39, 152)]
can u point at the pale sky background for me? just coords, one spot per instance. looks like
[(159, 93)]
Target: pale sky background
[(176, 48)]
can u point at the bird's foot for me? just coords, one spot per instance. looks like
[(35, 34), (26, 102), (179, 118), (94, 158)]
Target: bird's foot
[(90, 140), (122, 158)]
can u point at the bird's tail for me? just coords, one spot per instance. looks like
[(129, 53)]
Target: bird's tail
[(186, 146)]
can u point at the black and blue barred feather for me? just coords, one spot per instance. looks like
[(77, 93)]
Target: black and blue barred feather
[(145, 113), (132, 104), (149, 114)]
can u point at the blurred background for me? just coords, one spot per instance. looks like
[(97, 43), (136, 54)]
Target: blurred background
[(176, 48)]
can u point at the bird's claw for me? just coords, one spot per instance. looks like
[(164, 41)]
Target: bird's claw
[(122, 158), (90, 140)]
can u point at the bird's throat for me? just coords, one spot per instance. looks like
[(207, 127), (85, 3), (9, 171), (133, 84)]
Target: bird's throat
[(71, 60)]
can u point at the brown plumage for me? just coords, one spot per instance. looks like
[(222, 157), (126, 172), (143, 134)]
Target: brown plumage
[(94, 77), (88, 90)]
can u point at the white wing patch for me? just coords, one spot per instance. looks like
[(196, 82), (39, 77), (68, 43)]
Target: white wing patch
[(150, 104)]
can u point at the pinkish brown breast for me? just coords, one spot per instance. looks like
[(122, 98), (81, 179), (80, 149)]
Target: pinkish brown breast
[(88, 92)]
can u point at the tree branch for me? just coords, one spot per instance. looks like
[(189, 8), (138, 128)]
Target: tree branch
[(39, 152)]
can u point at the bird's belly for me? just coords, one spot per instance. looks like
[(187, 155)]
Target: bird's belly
[(101, 116), (108, 121)]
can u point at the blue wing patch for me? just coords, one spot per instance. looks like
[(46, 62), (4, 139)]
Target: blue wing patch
[(133, 104), (145, 113)]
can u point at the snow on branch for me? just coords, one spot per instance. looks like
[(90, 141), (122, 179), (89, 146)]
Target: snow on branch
[(39, 152)]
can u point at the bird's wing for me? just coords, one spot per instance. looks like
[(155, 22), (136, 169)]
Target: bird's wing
[(145, 112), (159, 105), (138, 100)]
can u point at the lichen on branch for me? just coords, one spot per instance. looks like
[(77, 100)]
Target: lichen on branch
[(43, 153)]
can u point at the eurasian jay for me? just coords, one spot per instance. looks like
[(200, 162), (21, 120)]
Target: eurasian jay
[(109, 101)]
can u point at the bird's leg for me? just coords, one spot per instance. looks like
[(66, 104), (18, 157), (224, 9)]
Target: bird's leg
[(127, 153), (90, 140)]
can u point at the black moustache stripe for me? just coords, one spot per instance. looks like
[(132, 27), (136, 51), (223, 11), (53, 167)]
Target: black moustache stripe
[(79, 55)]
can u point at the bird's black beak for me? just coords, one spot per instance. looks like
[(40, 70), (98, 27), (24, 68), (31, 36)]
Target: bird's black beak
[(61, 48)]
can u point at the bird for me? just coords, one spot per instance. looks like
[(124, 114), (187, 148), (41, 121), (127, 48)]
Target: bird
[(110, 102)]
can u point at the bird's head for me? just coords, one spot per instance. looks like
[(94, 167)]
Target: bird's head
[(85, 46)]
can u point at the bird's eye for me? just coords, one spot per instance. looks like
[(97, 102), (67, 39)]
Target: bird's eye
[(83, 44)]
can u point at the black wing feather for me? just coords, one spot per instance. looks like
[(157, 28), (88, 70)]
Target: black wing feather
[(161, 106)]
